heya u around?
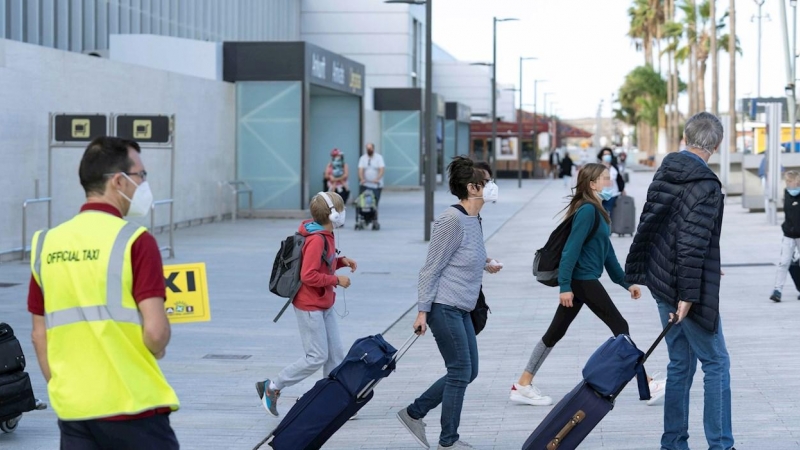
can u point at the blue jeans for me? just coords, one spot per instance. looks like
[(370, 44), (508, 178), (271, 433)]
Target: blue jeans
[(455, 337), (609, 205), (686, 343)]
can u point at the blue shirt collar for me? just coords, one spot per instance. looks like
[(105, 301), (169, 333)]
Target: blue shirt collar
[(695, 156)]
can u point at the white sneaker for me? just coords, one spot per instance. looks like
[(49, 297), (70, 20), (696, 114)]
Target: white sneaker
[(657, 390), (529, 395)]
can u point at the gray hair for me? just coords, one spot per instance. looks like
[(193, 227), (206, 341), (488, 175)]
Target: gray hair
[(703, 131)]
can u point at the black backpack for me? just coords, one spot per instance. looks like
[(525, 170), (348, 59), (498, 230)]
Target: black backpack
[(285, 278), (548, 258)]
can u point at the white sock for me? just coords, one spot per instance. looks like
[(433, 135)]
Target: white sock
[(272, 386)]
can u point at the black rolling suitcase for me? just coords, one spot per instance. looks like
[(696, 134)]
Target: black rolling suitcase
[(16, 393), (320, 412), (576, 415), (623, 218)]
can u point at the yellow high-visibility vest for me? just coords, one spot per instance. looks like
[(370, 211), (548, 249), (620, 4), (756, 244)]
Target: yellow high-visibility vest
[(99, 364)]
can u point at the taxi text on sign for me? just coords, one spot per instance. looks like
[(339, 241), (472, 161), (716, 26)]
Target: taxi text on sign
[(187, 293)]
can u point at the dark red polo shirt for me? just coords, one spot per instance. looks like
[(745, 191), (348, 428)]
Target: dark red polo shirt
[(148, 281)]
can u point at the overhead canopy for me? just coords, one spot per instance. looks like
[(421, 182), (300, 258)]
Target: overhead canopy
[(291, 61)]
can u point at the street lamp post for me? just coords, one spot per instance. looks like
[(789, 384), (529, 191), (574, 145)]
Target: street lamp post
[(485, 64), (760, 3), (494, 90), (519, 122), (546, 120), (430, 133), (551, 121), (793, 116), (535, 118)]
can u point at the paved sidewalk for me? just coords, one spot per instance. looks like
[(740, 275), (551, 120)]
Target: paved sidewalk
[(220, 408)]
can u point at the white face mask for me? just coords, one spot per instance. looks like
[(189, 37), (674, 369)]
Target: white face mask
[(490, 192), (142, 199), (339, 222)]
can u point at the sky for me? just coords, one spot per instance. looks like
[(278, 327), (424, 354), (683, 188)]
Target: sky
[(584, 52)]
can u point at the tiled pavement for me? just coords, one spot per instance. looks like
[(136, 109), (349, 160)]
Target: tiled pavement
[(220, 408)]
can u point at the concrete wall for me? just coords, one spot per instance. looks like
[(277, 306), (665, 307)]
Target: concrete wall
[(458, 81), (35, 81), (185, 56)]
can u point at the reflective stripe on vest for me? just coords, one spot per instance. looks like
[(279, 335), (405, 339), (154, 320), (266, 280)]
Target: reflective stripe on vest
[(113, 309), (37, 266)]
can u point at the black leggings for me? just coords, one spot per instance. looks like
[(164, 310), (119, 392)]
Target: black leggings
[(596, 298)]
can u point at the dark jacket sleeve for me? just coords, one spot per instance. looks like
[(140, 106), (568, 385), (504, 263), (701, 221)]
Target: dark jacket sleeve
[(693, 238)]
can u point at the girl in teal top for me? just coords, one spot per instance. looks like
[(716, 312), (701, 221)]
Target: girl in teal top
[(578, 277)]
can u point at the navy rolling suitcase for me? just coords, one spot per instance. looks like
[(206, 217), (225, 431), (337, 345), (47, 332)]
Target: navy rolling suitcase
[(794, 271), (576, 415), (320, 412)]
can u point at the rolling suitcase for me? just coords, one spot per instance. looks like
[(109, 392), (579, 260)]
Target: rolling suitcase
[(576, 415), (320, 412), (794, 271), (623, 219), (16, 393), (11, 357)]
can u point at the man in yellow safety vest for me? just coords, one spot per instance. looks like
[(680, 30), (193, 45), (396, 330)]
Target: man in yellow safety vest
[(97, 298)]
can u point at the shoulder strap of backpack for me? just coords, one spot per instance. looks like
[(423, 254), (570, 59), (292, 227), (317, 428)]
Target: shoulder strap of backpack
[(324, 250), (595, 226)]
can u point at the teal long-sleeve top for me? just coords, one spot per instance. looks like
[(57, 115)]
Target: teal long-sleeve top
[(586, 262)]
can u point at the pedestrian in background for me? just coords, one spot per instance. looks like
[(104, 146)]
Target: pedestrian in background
[(617, 186), (336, 174), (791, 231)]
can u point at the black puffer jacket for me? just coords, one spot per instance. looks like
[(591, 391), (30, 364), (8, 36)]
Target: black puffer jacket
[(791, 208), (675, 252)]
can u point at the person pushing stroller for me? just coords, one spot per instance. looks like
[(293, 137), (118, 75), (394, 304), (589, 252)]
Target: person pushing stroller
[(370, 176)]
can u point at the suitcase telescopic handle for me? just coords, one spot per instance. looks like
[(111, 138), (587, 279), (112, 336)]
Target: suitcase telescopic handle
[(659, 339), (406, 346), (399, 354)]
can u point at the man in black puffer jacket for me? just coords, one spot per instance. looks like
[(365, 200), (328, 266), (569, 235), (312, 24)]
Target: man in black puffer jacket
[(675, 253)]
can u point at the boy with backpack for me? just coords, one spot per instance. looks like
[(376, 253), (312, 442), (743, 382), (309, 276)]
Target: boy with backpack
[(791, 231), (313, 303)]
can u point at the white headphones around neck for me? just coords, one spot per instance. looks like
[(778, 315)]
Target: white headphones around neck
[(334, 215)]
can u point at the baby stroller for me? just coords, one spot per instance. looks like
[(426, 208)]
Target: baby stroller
[(367, 210), (16, 394)]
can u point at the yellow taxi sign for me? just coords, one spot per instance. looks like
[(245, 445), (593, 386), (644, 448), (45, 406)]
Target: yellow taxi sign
[(187, 293)]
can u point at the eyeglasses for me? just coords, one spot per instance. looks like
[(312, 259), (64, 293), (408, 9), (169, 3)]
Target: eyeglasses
[(141, 174)]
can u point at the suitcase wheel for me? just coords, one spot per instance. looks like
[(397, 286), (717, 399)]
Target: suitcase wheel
[(10, 425)]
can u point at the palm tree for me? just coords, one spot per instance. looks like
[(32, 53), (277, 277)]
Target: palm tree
[(714, 62), (640, 30), (642, 98), (646, 20), (732, 82), (646, 17), (699, 43), (710, 32)]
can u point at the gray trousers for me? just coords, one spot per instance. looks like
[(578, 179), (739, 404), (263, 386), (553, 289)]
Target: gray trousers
[(319, 331)]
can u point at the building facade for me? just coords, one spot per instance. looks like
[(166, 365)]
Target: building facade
[(85, 25)]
